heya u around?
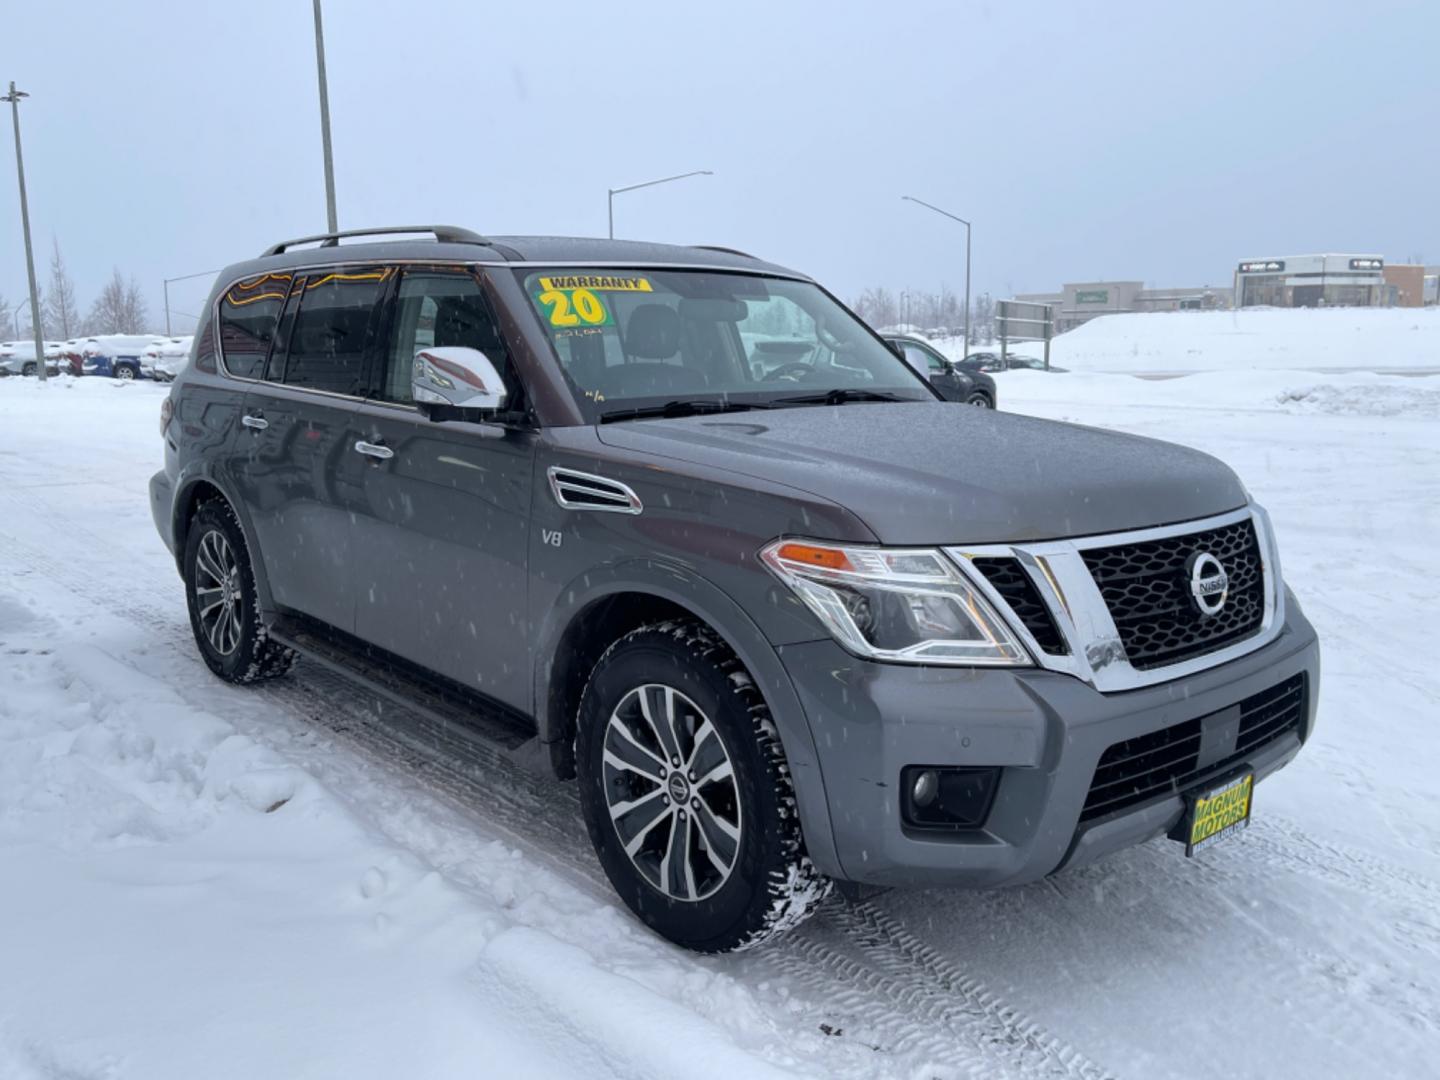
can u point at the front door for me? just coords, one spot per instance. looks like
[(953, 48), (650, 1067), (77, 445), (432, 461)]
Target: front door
[(298, 469), (442, 526)]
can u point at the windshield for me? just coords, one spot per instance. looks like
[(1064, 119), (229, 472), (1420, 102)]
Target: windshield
[(632, 341)]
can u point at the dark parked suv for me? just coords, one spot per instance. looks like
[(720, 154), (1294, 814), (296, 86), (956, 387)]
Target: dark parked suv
[(786, 616)]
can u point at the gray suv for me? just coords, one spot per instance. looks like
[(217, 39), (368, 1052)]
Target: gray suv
[(672, 522)]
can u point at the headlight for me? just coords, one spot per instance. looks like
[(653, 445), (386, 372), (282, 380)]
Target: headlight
[(912, 606)]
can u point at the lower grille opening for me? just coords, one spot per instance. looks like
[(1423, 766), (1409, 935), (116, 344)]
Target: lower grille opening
[(1168, 761)]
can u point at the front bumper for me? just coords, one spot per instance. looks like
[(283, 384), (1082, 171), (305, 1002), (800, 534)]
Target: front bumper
[(1046, 731)]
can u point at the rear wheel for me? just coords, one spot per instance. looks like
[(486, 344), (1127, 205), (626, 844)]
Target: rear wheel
[(28, 369), (686, 794), (125, 372), (220, 593)]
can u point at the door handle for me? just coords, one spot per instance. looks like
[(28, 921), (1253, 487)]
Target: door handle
[(384, 453), (259, 423)]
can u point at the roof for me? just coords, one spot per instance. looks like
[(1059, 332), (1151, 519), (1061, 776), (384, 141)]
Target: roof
[(460, 245)]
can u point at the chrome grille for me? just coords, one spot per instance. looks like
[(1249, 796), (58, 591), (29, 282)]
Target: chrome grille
[(1147, 590), (1115, 601)]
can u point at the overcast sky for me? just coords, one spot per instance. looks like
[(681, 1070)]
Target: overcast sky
[(1154, 141)]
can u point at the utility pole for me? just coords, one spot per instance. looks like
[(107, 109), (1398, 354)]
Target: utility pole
[(962, 221), (325, 122), (14, 99)]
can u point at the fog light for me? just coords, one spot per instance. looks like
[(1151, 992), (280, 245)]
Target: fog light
[(927, 786), (947, 797)]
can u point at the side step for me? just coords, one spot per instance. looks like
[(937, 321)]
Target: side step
[(469, 715)]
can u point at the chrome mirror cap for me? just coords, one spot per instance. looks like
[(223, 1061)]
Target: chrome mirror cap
[(458, 376)]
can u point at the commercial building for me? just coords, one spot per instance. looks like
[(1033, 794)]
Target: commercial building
[(1296, 281), (1404, 285), (1079, 302)]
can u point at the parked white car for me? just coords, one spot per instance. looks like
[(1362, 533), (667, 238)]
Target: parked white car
[(166, 358), (18, 357)]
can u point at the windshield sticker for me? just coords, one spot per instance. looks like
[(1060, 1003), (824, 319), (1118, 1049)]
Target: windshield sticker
[(573, 307), (596, 282)]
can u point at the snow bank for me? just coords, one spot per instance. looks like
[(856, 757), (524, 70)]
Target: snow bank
[(1337, 393), (1312, 339)]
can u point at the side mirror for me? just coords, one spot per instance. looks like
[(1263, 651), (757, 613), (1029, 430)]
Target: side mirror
[(458, 377)]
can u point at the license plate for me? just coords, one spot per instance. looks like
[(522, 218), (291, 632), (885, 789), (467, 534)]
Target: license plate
[(1218, 813)]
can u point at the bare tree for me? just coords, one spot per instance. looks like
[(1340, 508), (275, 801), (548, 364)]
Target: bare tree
[(61, 313), (5, 325), (982, 318), (877, 307), (136, 314), (119, 309), (28, 327)]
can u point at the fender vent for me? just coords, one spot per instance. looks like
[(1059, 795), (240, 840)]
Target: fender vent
[(585, 491)]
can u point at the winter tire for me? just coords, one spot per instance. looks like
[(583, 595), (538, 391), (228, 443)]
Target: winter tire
[(686, 793), (220, 593), (28, 369), (979, 399), (125, 372)]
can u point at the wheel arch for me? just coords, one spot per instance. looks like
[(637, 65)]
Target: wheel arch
[(189, 496), (603, 605)]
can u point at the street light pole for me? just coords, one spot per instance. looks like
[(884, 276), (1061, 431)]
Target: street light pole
[(325, 122), (182, 277), (14, 99), (648, 183), (962, 221)]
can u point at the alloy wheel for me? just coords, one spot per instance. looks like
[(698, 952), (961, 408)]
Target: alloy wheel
[(124, 373), (217, 592), (670, 788)]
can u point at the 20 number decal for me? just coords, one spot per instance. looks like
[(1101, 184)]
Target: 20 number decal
[(573, 308)]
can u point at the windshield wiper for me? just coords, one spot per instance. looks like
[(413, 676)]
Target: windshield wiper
[(840, 397), (681, 407)]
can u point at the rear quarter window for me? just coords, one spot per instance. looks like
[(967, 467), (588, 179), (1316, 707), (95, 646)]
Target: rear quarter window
[(248, 315)]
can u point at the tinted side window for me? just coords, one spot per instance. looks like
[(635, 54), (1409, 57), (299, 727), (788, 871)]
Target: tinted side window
[(249, 312), (439, 306), (332, 330)]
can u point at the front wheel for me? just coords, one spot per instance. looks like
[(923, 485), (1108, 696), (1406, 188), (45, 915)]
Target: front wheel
[(979, 400), (686, 794), (28, 369)]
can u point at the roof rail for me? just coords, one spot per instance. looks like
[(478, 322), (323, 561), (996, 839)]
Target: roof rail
[(445, 234), (726, 250)]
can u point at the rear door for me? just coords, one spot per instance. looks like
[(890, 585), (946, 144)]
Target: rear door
[(299, 473), (442, 517)]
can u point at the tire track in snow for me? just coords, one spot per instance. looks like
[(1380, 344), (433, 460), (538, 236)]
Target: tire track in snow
[(950, 1015)]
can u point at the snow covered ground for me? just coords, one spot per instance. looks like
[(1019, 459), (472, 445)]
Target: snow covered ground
[(1306, 339), (203, 881)]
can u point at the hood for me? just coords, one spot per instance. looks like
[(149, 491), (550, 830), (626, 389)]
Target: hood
[(936, 473)]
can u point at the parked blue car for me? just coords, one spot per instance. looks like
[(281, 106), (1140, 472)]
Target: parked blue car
[(117, 356)]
